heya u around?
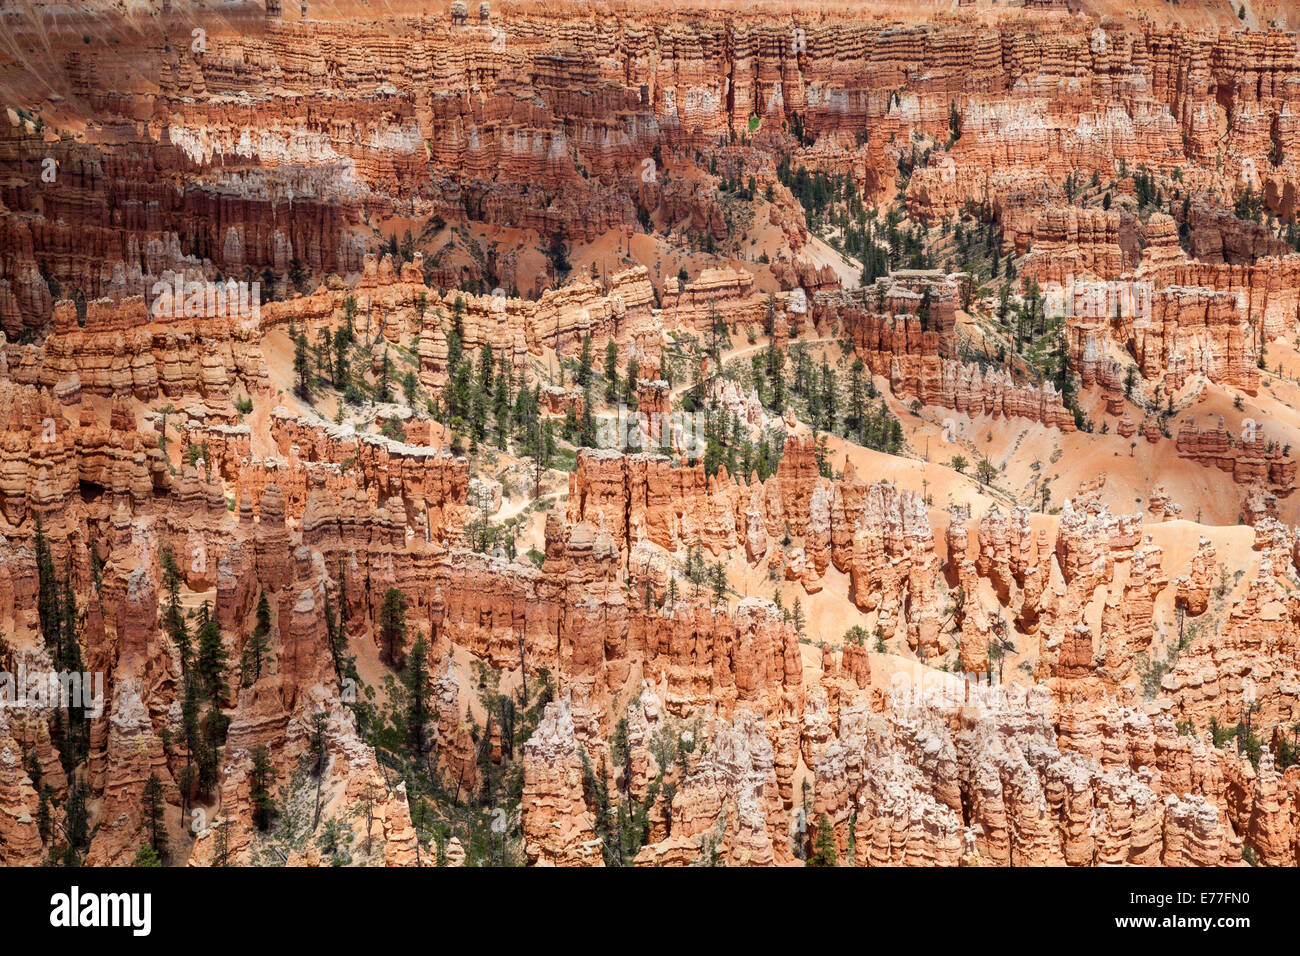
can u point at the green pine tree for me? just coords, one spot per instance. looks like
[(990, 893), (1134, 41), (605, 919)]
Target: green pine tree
[(260, 780), (301, 367), (611, 372), (416, 683), (47, 599), (146, 856), (584, 362), (257, 645), (211, 662), (392, 626), (152, 810), (824, 851)]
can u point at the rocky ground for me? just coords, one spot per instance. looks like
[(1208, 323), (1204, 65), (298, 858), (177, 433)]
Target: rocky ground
[(654, 436)]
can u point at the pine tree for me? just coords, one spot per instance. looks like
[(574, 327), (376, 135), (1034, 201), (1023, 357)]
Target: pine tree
[(163, 412), (478, 415), (146, 856), (33, 768), (421, 307), (220, 844), (829, 403), (43, 818), (383, 388), (324, 356), (47, 600), (260, 780), (191, 726), (417, 698), (718, 338), (152, 809), (69, 628), (857, 397), (486, 369), (821, 454), (208, 755), (344, 664), (611, 372), (257, 645), (460, 393), (629, 383), (392, 626), (587, 434), (501, 410), (584, 362), (778, 386), (570, 428), (77, 824), (317, 749), (342, 375), (173, 615), (211, 662), (301, 367), (824, 851)]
